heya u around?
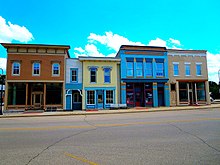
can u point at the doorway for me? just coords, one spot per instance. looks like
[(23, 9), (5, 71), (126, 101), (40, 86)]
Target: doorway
[(100, 99), (161, 96), (37, 100)]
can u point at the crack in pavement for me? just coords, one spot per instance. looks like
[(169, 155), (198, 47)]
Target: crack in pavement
[(197, 137), (64, 138)]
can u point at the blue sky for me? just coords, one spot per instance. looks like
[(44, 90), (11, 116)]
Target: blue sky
[(98, 27)]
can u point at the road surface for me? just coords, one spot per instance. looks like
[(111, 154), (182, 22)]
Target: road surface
[(175, 137)]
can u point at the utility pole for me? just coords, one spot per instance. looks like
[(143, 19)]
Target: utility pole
[(1, 75)]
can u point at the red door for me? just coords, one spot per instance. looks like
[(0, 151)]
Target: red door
[(138, 99)]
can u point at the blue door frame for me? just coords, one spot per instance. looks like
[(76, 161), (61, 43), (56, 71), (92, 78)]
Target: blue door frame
[(100, 99)]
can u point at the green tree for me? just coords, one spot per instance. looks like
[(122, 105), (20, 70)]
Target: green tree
[(214, 89)]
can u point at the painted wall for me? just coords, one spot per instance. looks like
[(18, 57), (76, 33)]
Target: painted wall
[(148, 55), (197, 58), (72, 63), (100, 77)]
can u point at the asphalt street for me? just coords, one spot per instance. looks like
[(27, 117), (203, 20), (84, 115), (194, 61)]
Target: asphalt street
[(175, 137)]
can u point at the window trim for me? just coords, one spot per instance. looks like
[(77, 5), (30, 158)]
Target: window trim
[(199, 64), (142, 69), (33, 69), (151, 69), (112, 97), (176, 63), (55, 75), (159, 62), (188, 64), (19, 69), (109, 71), (129, 69), (71, 75), (88, 95)]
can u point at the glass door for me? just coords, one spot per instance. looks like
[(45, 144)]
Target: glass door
[(100, 99), (37, 100)]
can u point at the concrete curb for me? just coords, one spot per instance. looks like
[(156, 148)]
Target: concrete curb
[(101, 112)]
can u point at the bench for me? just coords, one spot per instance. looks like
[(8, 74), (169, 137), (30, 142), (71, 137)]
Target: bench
[(118, 106)]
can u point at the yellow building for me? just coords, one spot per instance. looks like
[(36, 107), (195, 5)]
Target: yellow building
[(100, 82)]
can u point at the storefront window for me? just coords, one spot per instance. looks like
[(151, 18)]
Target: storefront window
[(200, 91), (130, 97), (183, 93), (90, 97), (109, 97)]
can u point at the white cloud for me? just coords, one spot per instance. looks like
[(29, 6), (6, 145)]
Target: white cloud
[(10, 32), (109, 40), (157, 42), (213, 61), (177, 42), (79, 50), (90, 50), (170, 43), (113, 41)]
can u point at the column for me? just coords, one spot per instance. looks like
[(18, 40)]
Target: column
[(45, 89), (188, 93), (166, 95), (26, 101), (144, 67), (177, 93), (135, 74), (155, 95), (207, 93), (154, 66), (63, 95), (6, 96), (196, 94), (14, 95), (123, 93), (84, 95)]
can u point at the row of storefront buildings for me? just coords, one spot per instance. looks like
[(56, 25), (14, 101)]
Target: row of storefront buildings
[(45, 77)]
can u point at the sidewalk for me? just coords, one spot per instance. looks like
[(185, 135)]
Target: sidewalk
[(13, 114)]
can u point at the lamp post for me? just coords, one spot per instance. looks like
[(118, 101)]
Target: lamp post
[(1, 111)]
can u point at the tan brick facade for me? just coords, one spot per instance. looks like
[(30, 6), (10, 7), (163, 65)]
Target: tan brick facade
[(192, 89)]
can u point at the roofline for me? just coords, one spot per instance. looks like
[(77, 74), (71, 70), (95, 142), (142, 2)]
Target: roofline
[(123, 47), (82, 58), (6, 45), (186, 51)]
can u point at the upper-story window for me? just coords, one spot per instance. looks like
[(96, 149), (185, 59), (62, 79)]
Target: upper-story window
[(74, 74), (16, 68), (56, 69), (199, 69), (139, 68), (93, 75), (130, 68), (159, 69), (36, 69), (187, 69), (149, 68), (107, 75), (175, 68)]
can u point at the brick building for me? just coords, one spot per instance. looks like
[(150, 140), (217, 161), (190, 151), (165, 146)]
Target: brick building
[(35, 76)]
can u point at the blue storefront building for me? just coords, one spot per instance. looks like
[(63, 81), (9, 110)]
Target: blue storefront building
[(144, 76)]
